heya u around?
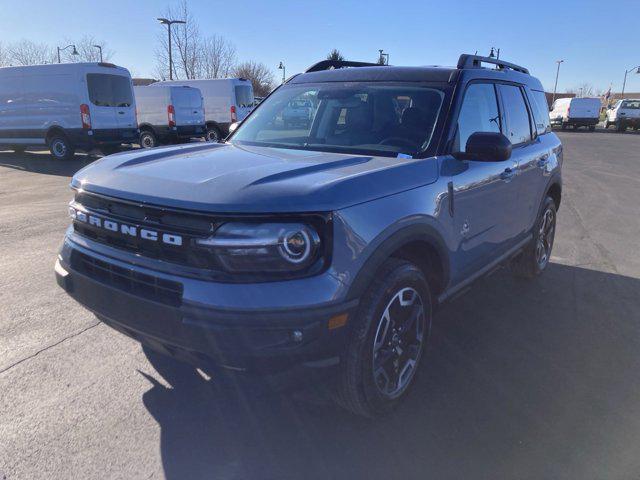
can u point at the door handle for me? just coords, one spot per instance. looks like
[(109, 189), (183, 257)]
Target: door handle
[(121, 113), (508, 174)]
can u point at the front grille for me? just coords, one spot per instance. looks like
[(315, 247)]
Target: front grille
[(127, 280), (188, 226)]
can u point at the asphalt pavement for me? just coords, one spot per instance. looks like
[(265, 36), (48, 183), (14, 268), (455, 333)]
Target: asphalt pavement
[(527, 380)]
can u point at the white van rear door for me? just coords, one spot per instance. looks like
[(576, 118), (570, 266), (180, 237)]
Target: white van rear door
[(187, 103), (111, 98), (244, 99)]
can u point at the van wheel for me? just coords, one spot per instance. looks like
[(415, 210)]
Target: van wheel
[(61, 148), (213, 134), (148, 139), (387, 339), (535, 257)]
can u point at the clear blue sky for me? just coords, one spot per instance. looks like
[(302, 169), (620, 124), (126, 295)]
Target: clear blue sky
[(597, 39)]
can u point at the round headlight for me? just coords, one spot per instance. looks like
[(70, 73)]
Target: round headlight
[(296, 246)]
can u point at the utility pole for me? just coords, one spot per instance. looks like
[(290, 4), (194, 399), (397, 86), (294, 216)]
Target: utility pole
[(555, 86), (168, 23), (99, 47), (624, 84)]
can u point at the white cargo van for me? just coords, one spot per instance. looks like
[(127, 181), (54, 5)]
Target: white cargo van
[(169, 114), (575, 112), (226, 100), (66, 107), (624, 114)]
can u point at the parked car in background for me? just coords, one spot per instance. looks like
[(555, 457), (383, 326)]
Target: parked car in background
[(169, 114), (325, 249), (575, 112), (67, 107), (226, 100), (297, 113), (623, 114)]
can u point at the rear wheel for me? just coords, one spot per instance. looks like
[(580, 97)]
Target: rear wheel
[(388, 338), (60, 147), (148, 139), (213, 134), (535, 258)]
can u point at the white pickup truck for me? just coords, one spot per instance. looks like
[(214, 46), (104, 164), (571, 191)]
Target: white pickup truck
[(623, 114)]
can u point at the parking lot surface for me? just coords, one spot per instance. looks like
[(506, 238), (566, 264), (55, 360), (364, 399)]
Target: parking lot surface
[(524, 380)]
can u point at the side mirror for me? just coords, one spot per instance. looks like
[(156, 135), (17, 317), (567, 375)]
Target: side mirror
[(233, 127), (486, 147)]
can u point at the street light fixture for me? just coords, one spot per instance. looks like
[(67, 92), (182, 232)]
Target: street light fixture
[(73, 52), (384, 57), (99, 47), (284, 71), (168, 23), (624, 84), (555, 86)]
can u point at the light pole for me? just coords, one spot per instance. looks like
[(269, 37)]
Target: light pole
[(624, 84), (73, 52), (284, 71), (168, 23), (383, 59), (555, 86), (99, 47)]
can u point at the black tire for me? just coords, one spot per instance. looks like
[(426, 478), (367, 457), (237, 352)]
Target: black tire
[(620, 127), (19, 149), (532, 261), (359, 389), (60, 147), (148, 139), (213, 134), (592, 128)]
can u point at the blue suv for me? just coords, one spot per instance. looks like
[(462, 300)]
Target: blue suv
[(326, 245)]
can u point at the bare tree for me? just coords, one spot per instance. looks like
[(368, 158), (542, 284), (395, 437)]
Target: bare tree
[(218, 57), (259, 74), (5, 57), (335, 55), (26, 52), (186, 45)]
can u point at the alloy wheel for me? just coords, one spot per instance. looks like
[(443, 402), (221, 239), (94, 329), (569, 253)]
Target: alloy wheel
[(546, 234), (398, 341)]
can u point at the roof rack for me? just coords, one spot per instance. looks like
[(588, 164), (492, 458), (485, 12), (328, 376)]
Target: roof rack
[(475, 61), (334, 64)]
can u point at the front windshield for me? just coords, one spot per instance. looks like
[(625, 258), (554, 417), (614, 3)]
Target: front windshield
[(354, 117), (633, 104)]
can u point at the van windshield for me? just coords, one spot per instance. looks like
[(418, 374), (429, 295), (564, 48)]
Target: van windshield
[(244, 96), (355, 117), (633, 104), (109, 90)]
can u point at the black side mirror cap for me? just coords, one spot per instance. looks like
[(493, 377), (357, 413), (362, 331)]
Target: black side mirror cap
[(486, 147)]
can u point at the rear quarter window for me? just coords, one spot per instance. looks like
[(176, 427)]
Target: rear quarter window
[(540, 108)]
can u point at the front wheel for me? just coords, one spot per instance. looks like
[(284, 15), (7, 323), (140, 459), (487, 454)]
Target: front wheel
[(61, 148), (388, 337), (535, 257)]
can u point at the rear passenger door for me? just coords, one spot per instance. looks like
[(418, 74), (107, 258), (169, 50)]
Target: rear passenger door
[(529, 151)]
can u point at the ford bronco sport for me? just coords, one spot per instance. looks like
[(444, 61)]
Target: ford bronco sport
[(327, 245)]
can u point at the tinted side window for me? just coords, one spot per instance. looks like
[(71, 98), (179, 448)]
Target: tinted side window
[(517, 116), (540, 111), (479, 113)]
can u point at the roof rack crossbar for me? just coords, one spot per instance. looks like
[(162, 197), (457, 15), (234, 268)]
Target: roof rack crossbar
[(329, 64), (475, 61)]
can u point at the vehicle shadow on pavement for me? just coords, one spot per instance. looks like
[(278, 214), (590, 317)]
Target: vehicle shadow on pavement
[(522, 380), (44, 163)]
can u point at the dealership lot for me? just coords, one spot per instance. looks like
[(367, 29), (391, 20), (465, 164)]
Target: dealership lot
[(523, 380)]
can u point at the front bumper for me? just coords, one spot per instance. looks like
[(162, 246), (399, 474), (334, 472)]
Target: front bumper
[(250, 338)]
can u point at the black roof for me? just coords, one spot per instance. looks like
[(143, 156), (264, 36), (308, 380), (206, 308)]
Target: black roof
[(469, 67)]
